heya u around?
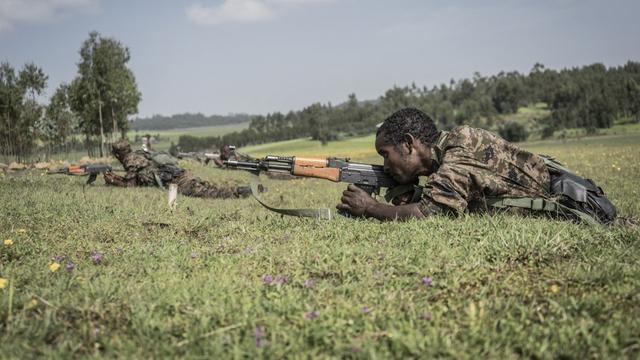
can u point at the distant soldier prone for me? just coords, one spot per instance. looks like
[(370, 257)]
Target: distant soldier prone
[(160, 169)]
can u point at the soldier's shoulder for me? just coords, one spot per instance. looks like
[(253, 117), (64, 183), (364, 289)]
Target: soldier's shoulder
[(466, 135), (466, 130)]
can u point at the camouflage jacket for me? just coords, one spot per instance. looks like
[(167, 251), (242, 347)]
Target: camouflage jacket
[(474, 164)]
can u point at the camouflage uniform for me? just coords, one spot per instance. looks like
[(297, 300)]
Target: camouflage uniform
[(144, 172), (474, 164)]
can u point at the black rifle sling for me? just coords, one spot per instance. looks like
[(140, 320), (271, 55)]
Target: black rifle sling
[(313, 213), (416, 191)]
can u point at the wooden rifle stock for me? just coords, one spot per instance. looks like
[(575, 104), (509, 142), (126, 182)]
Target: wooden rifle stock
[(315, 167)]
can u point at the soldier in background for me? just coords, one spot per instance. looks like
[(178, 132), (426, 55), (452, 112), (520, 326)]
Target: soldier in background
[(227, 152), (146, 143), (145, 168)]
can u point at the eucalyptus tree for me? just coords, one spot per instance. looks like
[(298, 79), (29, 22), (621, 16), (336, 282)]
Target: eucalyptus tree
[(19, 109), (59, 121), (104, 89)]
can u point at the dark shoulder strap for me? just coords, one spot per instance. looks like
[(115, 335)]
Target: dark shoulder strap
[(539, 204), (321, 213)]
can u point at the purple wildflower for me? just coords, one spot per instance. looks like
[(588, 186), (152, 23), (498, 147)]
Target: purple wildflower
[(310, 283), (248, 250), (267, 279), (96, 257), (259, 333), (281, 279), (311, 314), (427, 281), (366, 309), (70, 266), (261, 342), (426, 316)]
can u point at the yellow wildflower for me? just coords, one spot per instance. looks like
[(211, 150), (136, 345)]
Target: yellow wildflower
[(8, 242), (31, 304), (3, 283), (554, 288), (54, 266)]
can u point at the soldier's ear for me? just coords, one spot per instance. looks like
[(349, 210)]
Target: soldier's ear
[(409, 141)]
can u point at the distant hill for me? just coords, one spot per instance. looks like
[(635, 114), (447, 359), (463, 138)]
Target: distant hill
[(187, 120)]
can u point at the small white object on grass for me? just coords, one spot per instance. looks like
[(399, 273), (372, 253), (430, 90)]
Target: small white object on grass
[(173, 195)]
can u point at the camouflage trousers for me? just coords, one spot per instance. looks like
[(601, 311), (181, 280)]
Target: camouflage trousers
[(190, 185)]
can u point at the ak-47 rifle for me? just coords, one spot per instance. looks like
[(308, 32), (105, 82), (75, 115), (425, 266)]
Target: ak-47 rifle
[(368, 177), (201, 157), (92, 170)]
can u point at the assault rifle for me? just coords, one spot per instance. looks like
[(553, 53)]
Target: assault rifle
[(200, 157), (91, 170), (207, 157), (368, 177)]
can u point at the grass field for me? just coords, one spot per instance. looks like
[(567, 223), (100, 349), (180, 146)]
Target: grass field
[(167, 136), (227, 279)]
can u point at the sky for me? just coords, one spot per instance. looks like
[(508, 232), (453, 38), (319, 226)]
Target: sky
[(262, 56)]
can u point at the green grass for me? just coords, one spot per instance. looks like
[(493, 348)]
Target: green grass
[(353, 147), (167, 136), (189, 282)]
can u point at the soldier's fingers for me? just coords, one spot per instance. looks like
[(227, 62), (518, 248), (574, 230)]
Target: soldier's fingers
[(342, 206), (348, 193), (345, 200)]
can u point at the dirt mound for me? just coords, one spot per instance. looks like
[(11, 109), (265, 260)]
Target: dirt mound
[(85, 160), (17, 166), (41, 165)]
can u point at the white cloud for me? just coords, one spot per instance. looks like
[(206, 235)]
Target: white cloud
[(13, 12), (300, 2), (230, 11), (242, 10)]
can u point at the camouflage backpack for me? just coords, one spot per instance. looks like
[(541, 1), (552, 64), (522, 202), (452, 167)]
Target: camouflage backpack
[(166, 166)]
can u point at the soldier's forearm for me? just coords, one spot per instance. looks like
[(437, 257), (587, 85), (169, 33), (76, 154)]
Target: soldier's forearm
[(388, 212), (117, 180)]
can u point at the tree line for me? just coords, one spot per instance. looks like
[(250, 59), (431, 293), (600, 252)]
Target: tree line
[(93, 108), (85, 114), (187, 120), (589, 97)]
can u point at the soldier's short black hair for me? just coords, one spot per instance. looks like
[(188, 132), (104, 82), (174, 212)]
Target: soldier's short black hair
[(409, 121)]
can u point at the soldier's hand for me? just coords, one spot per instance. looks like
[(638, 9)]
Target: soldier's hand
[(355, 201), (110, 178), (402, 199)]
